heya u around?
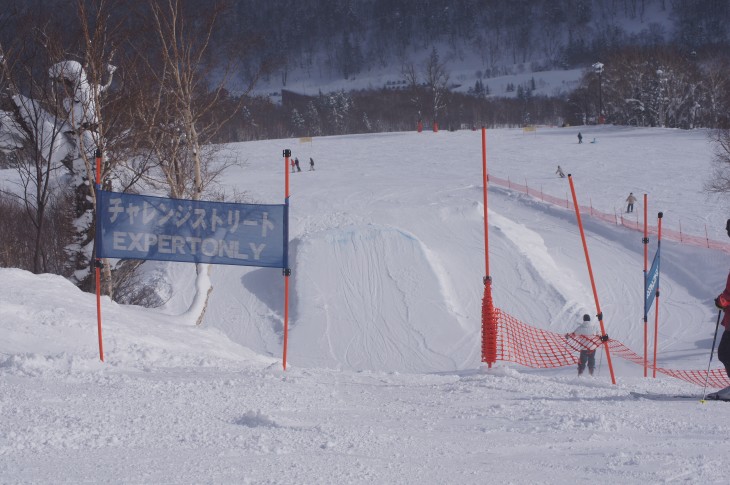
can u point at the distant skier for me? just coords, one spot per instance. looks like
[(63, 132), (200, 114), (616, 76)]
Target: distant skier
[(292, 165), (580, 138), (296, 162), (559, 171), (723, 350), (630, 201), (311, 164), (587, 355)]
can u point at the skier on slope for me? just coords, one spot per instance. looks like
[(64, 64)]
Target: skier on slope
[(560, 172), (582, 336), (630, 202), (723, 350)]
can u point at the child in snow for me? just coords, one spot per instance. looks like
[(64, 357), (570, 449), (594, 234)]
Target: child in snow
[(311, 163), (559, 171), (588, 349), (580, 138), (630, 201)]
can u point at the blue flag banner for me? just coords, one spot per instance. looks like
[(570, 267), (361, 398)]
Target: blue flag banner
[(651, 284), (145, 227)]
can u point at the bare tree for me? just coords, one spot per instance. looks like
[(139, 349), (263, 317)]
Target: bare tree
[(719, 181), (36, 138), (409, 73), (437, 80), (716, 81), (177, 112)]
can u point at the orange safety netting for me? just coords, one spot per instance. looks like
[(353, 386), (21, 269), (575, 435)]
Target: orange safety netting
[(532, 347), (617, 219)]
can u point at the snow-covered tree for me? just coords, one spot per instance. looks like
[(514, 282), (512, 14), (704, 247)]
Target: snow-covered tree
[(337, 108), (297, 121), (312, 120), (80, 101)]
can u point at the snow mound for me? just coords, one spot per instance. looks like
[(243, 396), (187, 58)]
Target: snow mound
[(49, 327), (382, 309)]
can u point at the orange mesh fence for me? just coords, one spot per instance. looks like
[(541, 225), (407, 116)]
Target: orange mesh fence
[(490, 330), (717, 377), (617, 219), (532, 347)]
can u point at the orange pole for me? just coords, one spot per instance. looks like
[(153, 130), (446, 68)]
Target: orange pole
[(604, 337), (97, 262), (485, 181), (287, 270), (489, 322), (656, 309), (645, 241)]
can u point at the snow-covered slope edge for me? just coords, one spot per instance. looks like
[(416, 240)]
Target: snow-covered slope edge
[(48, 324)]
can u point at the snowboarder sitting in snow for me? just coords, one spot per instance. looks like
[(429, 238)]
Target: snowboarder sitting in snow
[(588, 349), (580, 138), (559, 171), (630, 201)]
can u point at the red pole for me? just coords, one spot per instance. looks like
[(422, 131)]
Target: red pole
[(287, 270), (489, 322), (98, 262), (604, 337), (486, 215), (656, 309), (646, 259)]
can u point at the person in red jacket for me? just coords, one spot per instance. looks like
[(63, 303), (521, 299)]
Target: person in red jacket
[(723, 303)]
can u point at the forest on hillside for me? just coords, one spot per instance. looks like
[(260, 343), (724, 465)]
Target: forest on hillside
[(348, 37), (665, 60)]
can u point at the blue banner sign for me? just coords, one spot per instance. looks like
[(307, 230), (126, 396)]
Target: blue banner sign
[(651, 284), (145, 227)]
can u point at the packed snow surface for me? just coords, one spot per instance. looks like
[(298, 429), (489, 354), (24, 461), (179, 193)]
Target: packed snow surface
[(384, 382)]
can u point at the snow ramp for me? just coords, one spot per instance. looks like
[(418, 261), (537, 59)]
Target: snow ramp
[(375, 300)]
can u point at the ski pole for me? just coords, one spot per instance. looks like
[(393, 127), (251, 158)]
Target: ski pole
[(600, 362), (712, 351)]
